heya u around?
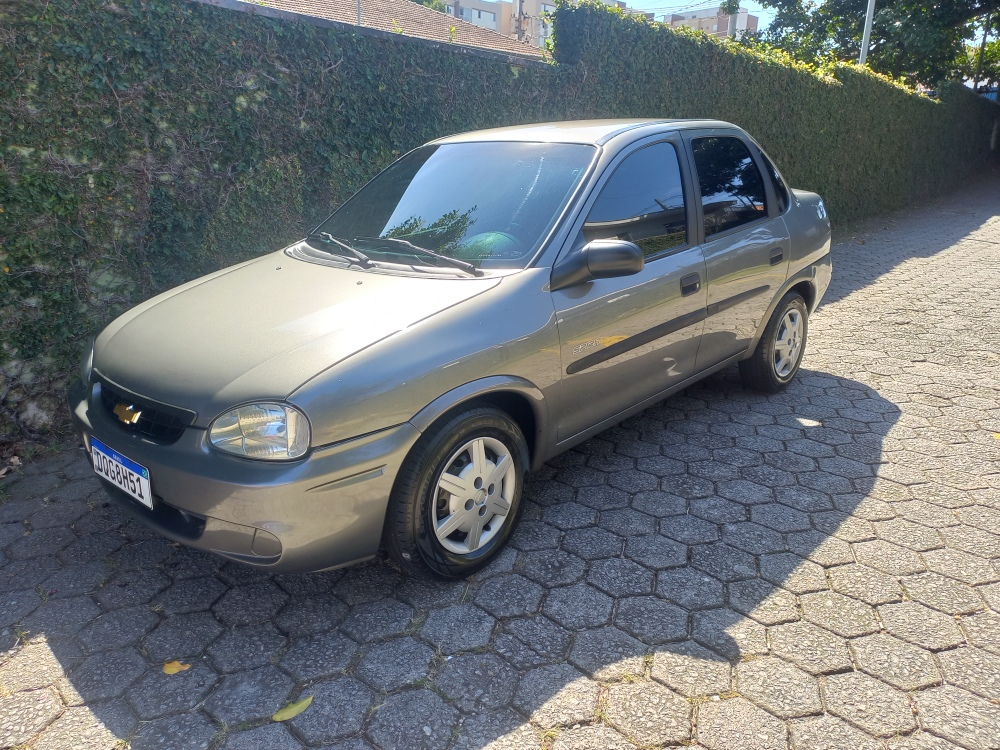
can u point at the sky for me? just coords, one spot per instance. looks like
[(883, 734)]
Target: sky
[(660, 7)]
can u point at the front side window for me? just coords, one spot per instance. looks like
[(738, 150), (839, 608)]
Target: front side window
[(642, 202), (732, 190), (490, 204), (780, 189)]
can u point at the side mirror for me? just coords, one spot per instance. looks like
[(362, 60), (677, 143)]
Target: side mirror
[(599, 259)]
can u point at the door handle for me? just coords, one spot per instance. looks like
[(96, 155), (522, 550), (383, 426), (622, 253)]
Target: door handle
[(690, 284), (776, 255)]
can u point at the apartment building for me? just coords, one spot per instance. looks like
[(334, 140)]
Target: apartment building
[(712, 21), (502, 16)]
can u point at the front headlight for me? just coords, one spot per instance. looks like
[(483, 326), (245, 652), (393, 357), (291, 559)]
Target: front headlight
[(87, 363), (272, 432)]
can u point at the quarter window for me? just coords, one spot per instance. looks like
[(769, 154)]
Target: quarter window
[(642, 202), (732, 190)]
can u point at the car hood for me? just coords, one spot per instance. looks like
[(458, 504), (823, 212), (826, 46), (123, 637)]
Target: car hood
[(261, 329)]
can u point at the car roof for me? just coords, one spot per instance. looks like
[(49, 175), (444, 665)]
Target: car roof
[(594, 132)]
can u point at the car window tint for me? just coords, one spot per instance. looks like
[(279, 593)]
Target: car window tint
[(732, 190), (642, 202), (780, 189)]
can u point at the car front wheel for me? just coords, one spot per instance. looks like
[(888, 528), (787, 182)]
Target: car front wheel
[(779, 352), (458, 494)]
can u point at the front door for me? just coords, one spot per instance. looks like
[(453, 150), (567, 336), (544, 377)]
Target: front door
[(626, 339)]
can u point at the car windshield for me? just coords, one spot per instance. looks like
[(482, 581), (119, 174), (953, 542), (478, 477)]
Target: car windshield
[(490, 204)]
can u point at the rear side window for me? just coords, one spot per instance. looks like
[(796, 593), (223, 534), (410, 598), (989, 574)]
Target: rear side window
[(642, 202), (780, 189), (732, 190)]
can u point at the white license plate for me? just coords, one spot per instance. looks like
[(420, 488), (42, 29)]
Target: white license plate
[(122, 472)]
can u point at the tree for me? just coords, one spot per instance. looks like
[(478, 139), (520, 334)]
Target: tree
[(918, 41), (434, 5)]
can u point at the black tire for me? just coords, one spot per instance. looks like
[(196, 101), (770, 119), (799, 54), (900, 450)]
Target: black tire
[(418, 503), (761, 370)]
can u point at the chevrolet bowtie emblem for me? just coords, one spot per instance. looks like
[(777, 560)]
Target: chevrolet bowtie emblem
[(126, 413)]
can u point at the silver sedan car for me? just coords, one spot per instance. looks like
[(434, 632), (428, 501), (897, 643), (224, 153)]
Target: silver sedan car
[(489, 300)]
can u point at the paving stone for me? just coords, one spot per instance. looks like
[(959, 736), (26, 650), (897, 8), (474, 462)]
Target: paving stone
[(249, 696), (244, 605), (578, 606), (590, 737), (737, 724), (908, 534), (570, 515), (648, 713), (991, 595), (534, 535), (342, 706), (651, 620), (267, 737), (393, 664), (608, 654), (718, 509), (895, 661), (92, 548), (556, 695), (103, 676), (532, 642), (840, 614), (972, 540), (619, 577), (944, 594), (920, 741), (917, 624), (318, 656), (377, 620), (728, 633), (723, 562), (40, 543), (413, 720), (510, 595), (778, 687), (311, 615), (821, 548), (689, 530), (130, 588), (123, 627), (961, 566), (889, 558), (829, 733), (753, 538), (974, 669), (143, 554), (477, 681), (187, 732), (810, 647), (955, 714), (245, 647), (182, 636), (187, 562), (16, 605), (689, 588), (367, 583), (189, 595), (460, 627), (656, 552), (23, 715), (660, 504), (551, 567), (592, 543), (158, 694), (498, 730), (865, 584), (793, 573), (79, 728), (867, 703), (423, 593), (763, 602), (983, 630), (61, 618)]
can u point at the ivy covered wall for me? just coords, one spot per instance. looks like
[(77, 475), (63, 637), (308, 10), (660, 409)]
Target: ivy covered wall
[(146, 142)]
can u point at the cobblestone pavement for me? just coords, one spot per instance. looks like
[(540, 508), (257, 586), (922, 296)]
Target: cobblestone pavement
[(818, 569)]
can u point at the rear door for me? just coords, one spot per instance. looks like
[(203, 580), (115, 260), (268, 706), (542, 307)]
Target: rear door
[(743, 238), (625, 339)]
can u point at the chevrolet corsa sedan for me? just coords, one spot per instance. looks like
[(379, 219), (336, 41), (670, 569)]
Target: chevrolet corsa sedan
[(489, 300)]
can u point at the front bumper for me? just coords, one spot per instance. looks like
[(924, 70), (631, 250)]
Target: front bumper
[(324, 511)]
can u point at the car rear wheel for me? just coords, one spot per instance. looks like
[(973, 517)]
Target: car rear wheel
[(779, 352), (458, 494)]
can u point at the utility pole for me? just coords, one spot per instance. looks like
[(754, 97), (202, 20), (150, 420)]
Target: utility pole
[(982, 50), (868, 32), (519, 20)]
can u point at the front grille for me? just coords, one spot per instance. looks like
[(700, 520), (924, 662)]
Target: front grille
[(155, 421)]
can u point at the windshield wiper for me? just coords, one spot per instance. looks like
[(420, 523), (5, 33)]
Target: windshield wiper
[(363, 260), (454, 262)]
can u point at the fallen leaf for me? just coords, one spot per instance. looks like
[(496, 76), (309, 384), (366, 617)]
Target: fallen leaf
[(173, 667), (996, 435), (15, 461), (292, 709)]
